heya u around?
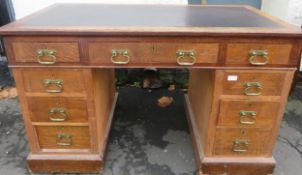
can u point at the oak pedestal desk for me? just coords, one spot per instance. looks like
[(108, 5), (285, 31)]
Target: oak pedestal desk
[(241, 61)]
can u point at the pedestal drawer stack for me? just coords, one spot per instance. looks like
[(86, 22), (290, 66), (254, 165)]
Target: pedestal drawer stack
[(249, 109), (66, 119)]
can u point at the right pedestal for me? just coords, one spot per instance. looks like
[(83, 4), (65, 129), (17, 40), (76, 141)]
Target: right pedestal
[(234, 117)]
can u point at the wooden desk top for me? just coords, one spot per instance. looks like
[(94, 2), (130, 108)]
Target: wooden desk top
[(83, 19)]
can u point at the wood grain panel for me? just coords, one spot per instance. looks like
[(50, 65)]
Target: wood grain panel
[(201, 84), (76, 109), (229, 114), (238, 165), (27, 51), (71, 163), (104, 89), (224, 141), (238, 53), (72, 80), (48, 137), (30, 130), (272, 82)]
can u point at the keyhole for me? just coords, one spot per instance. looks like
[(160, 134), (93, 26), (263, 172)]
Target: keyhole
[(153, 48)]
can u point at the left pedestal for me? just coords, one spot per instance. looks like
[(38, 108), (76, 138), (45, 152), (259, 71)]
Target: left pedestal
[(67, 115)]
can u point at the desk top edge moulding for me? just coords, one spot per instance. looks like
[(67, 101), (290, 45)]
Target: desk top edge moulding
[(241, 62)]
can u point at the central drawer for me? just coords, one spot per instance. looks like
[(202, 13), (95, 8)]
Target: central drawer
[(152, 52), (63, 137)]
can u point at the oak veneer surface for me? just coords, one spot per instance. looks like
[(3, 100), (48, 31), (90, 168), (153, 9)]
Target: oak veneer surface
[(100, 18)]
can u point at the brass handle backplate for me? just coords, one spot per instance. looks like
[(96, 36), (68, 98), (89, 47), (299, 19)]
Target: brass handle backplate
[(248, 117), (241, 145), (253, 88), (64, 139), (58, 84), (122, 52), (255, 55), (51, 54), (57, 114), (181, 54)]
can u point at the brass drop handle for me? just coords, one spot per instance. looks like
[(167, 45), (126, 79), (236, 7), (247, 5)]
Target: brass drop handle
[(181, 54), (122, 52), (51, 54), (57, 114), (253, 88), (254, 54), (57, 83), (64, 139), (248, 117), (241, 145)]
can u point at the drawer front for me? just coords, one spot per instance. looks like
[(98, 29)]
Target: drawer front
[(241, 142), (248, 113), (171, 53), (138, 52), (253, 83), (46, 52), (59, 137), (53, 81), (258, 54), (57, 109), (119, 53)]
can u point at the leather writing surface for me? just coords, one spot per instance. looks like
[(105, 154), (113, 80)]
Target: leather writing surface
[(149, 16)]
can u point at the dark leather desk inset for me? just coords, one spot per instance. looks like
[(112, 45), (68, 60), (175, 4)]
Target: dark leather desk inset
[(241, 63)]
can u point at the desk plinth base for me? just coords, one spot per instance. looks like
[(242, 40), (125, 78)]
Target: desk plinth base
[(225, 165), (73, 163)]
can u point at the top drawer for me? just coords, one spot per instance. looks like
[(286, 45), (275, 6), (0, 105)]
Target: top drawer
[(258, 54), (167, 52), (54, 82), (253, 83), (45, 51)]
